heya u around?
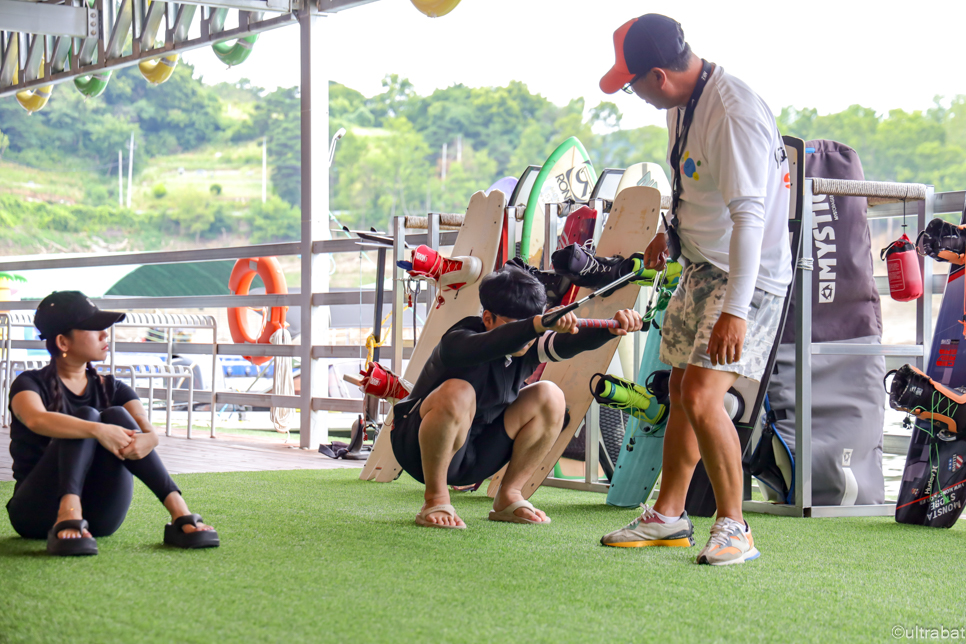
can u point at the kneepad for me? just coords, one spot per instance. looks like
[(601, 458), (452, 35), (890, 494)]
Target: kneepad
[(915, 393)]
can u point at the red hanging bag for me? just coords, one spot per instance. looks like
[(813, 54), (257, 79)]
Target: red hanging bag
[(902, 262)]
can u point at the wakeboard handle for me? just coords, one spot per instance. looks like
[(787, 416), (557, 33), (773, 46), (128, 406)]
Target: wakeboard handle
[(591, 323)]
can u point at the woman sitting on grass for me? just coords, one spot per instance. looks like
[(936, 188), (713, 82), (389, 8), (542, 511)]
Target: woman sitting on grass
[(77, 435)]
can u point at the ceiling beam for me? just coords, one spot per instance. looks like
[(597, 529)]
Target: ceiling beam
[(334, 6), (48, 19)]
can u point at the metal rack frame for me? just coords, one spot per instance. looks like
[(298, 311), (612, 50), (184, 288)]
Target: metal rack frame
[(51, 42), (927, 208)]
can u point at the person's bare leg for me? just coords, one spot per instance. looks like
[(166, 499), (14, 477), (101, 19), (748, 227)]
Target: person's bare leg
[(703, 392), (176, 505), (533, 421), (447, 414), (681, 453), (70, 508)]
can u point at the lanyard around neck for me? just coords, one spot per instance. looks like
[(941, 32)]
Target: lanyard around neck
[(682, 132)]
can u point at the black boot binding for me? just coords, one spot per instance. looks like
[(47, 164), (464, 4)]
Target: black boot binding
[(915, 393), (584, 268), (556, 284), (943, 241)]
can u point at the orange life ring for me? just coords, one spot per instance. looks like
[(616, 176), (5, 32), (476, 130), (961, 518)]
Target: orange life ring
[(240, 281)]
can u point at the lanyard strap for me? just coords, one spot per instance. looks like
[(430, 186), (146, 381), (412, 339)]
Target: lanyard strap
[(682, 135)]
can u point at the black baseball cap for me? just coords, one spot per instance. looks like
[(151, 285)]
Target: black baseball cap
[(64, 311), (640, 45)]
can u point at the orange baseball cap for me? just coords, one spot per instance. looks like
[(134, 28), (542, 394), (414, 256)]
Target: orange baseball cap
[(640, 45)]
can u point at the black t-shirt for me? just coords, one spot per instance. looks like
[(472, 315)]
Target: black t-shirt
[(26, 447)]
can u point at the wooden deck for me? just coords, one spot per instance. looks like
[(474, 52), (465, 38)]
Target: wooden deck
[(227, 453)]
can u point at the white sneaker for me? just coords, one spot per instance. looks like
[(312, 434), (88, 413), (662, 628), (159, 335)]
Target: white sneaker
[(730, 543), (649, 530)]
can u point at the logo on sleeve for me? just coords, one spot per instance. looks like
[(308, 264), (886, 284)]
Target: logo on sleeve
[(780, 156), (690, 167)]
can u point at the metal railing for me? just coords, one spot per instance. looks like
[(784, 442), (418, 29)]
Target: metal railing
[(21, 314), (169, 374), (11, 369)]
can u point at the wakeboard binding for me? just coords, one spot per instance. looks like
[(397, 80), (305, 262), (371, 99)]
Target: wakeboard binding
[(915, 393), (450, 273), (588, 270), (648, 404), (585, 269), (943, 241), (556, 284), (382, 383)]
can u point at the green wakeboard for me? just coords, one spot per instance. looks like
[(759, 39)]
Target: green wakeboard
[(567, 174)]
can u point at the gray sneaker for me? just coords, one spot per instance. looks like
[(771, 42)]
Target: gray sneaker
[(730, 543), (649, 530)]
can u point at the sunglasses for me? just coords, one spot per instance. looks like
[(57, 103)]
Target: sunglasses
[(628, 88)]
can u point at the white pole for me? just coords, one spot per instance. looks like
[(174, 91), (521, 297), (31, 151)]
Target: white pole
[(120, 178), (459, 148), (130, 170), (264, 169), (443, 171), (315, 57)]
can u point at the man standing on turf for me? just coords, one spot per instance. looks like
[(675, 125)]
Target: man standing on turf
[(729, 225)]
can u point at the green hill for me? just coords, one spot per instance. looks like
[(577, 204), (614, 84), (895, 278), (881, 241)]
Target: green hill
[(198, 148)]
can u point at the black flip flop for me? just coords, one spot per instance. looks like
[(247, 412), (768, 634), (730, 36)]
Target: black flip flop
[(175, 536), (70, 547)]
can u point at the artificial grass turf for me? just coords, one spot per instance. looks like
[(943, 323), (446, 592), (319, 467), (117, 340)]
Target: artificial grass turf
[(319, 556)]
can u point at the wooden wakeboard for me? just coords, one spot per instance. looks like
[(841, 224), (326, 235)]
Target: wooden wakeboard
[(479, 236), (639, 174)]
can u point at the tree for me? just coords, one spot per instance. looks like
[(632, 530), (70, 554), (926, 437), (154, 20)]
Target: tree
[(475, 172), (274, 221), (622, 148), (278, 116), (384, 172), (4, 143), (394, 101), (607, 116)]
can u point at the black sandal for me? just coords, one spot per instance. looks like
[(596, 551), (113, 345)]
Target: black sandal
[(175, 536), (70, 547)]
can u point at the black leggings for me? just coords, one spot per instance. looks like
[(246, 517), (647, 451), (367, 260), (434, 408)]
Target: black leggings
[(83, 467)]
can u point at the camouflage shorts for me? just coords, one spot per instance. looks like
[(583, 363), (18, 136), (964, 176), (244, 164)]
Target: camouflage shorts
[(695, 308)]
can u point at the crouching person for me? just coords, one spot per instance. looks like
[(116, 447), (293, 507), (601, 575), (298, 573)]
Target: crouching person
[(469, 413)]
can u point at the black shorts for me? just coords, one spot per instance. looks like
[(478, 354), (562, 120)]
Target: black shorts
[(486, 450)]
